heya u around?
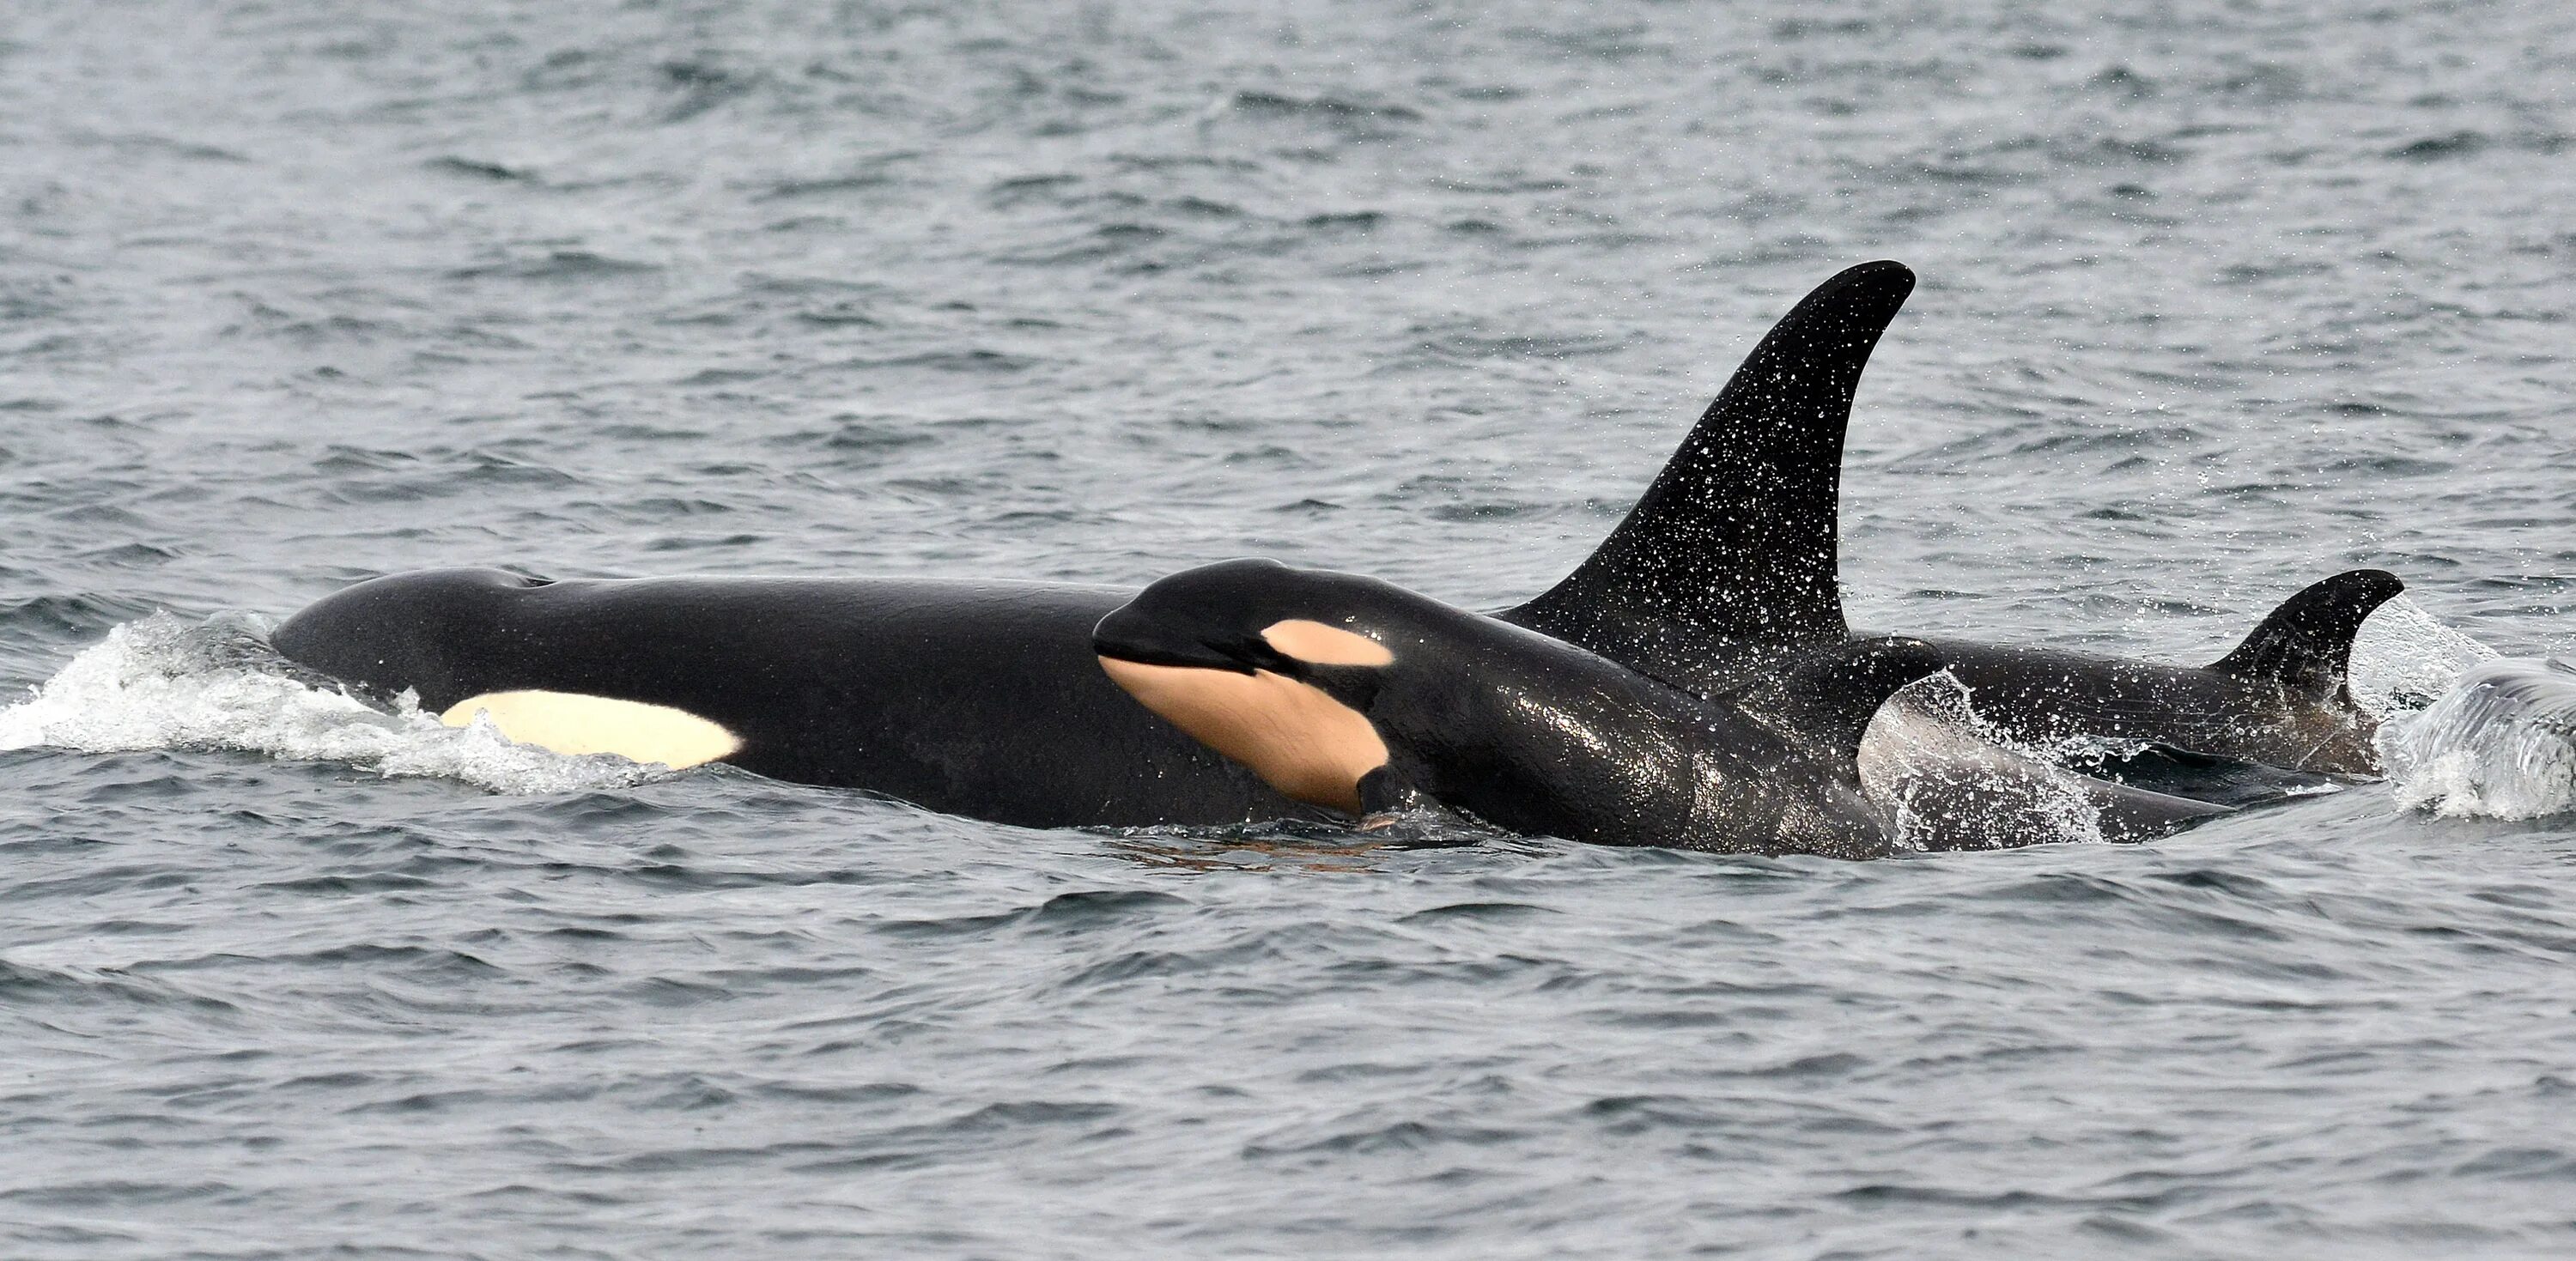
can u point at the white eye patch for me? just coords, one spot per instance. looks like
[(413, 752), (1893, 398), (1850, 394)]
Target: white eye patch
[(1317, 644)]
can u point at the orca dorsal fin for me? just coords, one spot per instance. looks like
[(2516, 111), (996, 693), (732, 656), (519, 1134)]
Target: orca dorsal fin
[(1737, 537), (2307, 642), (1827, 700)]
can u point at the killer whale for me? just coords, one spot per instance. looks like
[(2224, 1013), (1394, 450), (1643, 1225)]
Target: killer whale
[(974, 698), (1359, 695), (1726, 572)]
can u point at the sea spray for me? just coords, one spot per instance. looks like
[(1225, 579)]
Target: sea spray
[(165, 682)]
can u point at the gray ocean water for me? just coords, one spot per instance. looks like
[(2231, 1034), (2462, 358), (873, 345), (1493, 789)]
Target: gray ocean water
[(2216, 299)]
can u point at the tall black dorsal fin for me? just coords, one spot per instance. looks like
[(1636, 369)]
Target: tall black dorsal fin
[(1827, 700), (2307, 642), (1737, 537)]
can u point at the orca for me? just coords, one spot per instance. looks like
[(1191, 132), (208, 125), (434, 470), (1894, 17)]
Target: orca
[(1357, 695), (1727, 570), (972, 698)]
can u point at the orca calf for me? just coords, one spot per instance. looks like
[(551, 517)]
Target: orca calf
[(1361, 696), (1726, 571)]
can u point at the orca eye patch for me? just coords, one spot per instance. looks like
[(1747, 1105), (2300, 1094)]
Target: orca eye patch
[(1319, 645)]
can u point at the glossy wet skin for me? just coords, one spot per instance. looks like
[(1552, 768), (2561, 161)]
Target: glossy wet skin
[(1475, 714), (1727, 571), (1006, 717), (974, 697)]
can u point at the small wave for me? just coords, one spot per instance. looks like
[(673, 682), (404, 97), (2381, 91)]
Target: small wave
[(557, 265), (2463, 732), (2500, 744), (2450, 145), (826, 186), (1277, 104), (480, 169), (164, 682)]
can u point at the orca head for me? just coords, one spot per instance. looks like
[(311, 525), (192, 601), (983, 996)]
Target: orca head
[(1276, 668)]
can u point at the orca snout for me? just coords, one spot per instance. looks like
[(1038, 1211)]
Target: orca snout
[(1140, 636)]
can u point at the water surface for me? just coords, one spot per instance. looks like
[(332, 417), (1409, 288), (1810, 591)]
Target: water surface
[(2215, 301)]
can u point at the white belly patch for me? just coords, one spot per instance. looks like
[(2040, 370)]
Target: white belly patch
[(570, 723)]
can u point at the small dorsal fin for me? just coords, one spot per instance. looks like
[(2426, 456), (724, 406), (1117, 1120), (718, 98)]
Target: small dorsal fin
[(2307, 642), (1828, 700), (1737, 537)]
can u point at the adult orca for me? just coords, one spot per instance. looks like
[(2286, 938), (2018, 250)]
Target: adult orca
[(974, 698), (1358, 695), (1726, 569)]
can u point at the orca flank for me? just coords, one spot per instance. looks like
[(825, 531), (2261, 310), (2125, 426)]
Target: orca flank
[(1493, 720)]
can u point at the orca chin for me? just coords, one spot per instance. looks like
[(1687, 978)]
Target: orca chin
[(1137, 645)]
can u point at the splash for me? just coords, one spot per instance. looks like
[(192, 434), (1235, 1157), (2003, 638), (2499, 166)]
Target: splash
[(167, 683), (2464, 732), (2500, 744), (2404, 659), (1949, 781)]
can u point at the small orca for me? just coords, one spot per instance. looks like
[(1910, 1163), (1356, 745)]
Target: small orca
[(1726, 570), (1361, 696), (974, 698)]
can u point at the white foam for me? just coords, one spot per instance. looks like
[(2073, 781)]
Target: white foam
[(2500, 744), (167, 683), (2464, 732)]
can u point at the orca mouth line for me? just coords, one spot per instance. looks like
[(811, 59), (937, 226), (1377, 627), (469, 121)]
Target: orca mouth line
[(1200, 659), (1144, 643)]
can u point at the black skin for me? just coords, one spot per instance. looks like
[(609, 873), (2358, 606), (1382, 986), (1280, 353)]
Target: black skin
[(982, 698), (1535, 735), (2279, 701), (1725, 573), (974, 698)]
